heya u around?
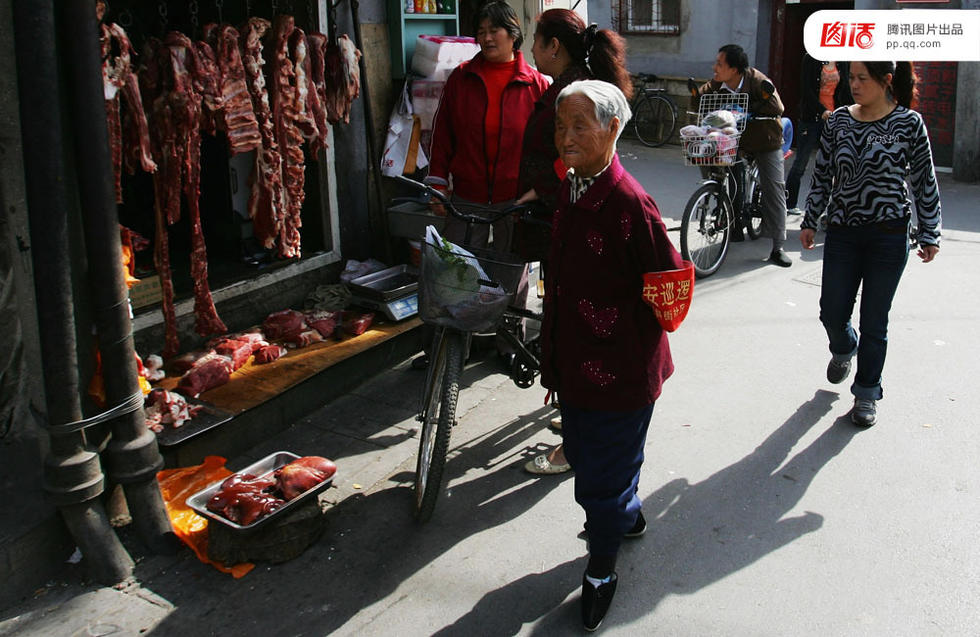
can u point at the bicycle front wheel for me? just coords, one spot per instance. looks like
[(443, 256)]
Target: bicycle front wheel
[(705, 229), (442, 393), (654, 121)]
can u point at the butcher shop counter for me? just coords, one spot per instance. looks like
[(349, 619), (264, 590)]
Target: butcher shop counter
[(261, 400)]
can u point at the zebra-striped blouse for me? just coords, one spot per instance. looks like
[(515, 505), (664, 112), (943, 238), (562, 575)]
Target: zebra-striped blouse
[(861, 171)]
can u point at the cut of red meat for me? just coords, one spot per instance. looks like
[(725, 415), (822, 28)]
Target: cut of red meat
[(303, 339), (243, 498), (182, 363), (164, 408), (209, 372), (269, 353), (323, 322), (265, 202), (303, 474), (355, 323), (282, 324), (238, 351), (238, 117), (316, 49)]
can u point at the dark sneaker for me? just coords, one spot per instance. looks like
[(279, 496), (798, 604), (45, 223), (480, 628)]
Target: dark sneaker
[(779, 258), (837, 371), (639, 528), (736, 235), (420, 362), (865, 412), (595, 601)]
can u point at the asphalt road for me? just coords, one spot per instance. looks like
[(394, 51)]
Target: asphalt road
[(769, 513)]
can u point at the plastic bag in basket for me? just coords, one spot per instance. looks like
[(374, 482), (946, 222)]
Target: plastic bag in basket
[(669, 293)]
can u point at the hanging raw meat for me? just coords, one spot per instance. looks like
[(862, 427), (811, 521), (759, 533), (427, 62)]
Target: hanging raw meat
[(342, 76), (237, 116), (265, 202), (289, 120), (118, 79), (316, 46), (178, 73), (207, 82)]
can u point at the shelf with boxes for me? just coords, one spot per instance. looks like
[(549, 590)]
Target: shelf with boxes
[(406, 26)]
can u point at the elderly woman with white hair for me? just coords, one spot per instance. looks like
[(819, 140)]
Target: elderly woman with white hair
[(604, 352)]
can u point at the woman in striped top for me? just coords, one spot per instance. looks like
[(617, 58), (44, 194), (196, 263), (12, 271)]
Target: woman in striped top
[(867, 151)]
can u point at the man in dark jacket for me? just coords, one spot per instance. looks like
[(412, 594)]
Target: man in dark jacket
[(763, 138), (603, 350)]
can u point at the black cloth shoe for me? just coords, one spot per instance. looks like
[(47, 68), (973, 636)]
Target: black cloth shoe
[(837, 371), (779, 258), (736, 235), (639, 527), (420, 362), (595, 601)]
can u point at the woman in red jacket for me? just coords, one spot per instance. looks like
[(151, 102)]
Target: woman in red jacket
[(478, 130), (479, 127)]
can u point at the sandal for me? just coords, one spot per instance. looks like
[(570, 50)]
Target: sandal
[(542, 466)]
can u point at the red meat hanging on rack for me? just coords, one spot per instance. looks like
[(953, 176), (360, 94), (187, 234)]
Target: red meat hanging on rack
[(178, 75), (265, 202), (289, 121), (118, 80), (237, 117), (342, 76)]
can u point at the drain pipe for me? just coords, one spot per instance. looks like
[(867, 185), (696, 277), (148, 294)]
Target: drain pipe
[(72, 474), (132, 456)]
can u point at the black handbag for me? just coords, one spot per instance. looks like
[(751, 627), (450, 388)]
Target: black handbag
[(532, 232)]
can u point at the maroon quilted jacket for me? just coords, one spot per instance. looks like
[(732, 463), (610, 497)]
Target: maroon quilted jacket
[(602, 345), (458, 146)]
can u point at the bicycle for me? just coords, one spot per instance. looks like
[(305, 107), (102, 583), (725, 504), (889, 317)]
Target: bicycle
[(463, 295), (713, 209), (654, 113)]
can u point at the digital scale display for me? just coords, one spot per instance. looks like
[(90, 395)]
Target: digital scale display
[(404, 307)]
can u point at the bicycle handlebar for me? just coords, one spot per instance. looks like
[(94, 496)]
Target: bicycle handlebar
[(490, 215)]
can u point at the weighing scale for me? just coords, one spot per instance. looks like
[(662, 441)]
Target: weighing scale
[(393, 291)]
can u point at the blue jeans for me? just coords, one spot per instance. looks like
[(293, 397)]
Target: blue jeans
[(874, 257), (807, 140), (605, 448)]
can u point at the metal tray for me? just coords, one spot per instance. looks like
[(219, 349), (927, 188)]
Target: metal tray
[(387, 285), (199, 501)]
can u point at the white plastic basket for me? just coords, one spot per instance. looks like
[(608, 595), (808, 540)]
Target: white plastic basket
[(716, 149)]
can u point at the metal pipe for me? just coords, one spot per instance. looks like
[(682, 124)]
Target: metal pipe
[(132, 457), (72, 474)]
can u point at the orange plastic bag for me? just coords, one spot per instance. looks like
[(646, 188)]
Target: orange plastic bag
[(669, 294), (177, 485)]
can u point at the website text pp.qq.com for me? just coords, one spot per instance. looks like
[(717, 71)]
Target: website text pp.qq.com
[(893, 45)]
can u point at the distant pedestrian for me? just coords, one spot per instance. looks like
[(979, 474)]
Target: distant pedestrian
[(867, 151), (824, 87), (603, 350)]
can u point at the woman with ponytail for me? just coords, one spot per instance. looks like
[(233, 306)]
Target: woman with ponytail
[(867, 152), (567, 50)]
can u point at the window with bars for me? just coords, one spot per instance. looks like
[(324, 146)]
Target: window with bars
[(647, 16)]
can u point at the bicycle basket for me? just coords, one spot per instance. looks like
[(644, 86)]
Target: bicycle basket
[(466, 292), (706, 145)]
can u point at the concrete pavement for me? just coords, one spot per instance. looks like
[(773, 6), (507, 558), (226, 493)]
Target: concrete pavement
[(769, 513)]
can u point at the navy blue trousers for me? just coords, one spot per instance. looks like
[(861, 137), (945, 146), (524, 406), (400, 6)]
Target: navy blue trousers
[(873, 257), (605, 449)]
